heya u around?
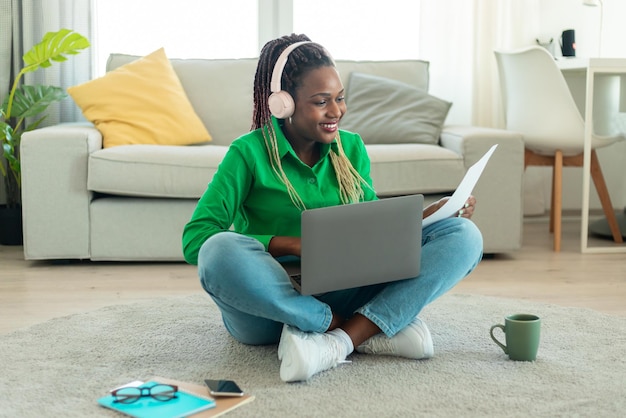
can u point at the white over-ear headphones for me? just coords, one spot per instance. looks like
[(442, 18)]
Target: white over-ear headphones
[(280, 102)]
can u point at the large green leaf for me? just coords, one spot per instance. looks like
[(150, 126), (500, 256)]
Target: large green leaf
[(32, 125), (32, 100), (9, 149), (6, 131), (52, 47)]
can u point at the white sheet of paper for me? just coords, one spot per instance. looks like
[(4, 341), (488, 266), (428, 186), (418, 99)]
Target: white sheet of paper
[(463, 192)]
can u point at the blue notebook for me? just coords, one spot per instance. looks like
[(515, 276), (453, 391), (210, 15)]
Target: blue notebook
[(183, 405)]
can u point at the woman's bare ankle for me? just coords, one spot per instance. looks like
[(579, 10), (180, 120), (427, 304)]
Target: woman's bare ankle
[(336, 322), (360, 328)]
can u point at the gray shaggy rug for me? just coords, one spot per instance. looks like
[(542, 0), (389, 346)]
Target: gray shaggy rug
[(61, 367)]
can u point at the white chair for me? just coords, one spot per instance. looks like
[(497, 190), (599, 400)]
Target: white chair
[(539, 105)]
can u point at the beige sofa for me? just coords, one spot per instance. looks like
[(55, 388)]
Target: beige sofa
[(81, 201)]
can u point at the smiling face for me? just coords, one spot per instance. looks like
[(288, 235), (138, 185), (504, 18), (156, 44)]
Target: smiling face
[(320, 104)]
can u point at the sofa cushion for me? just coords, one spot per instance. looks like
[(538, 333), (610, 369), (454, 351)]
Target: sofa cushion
[(154, 170), (412, 72), (142, 102), (220, 91), (414, 168), (185, 171), (387, 111), (232, 81)]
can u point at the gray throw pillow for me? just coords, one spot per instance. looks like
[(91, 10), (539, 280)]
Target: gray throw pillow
[(385, 111)]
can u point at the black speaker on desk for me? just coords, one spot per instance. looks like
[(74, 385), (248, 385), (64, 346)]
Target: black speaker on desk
[(568, 43)]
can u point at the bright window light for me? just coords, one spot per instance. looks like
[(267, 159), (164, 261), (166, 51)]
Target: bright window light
[(350, 29), (361, 29), (185, 28)]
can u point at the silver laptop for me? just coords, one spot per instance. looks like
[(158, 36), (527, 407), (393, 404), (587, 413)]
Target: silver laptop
[(360, 244)]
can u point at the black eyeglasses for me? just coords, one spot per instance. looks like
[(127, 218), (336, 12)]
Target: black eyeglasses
[(159, 392)]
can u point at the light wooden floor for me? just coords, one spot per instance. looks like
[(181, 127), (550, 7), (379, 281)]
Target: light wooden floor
[(32, 292)]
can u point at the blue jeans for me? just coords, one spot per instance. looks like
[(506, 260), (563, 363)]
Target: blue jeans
[(255, 296)]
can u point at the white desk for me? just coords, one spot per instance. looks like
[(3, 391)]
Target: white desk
[(605, 93)]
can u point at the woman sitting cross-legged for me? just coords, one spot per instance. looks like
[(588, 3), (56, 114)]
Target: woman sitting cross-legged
[(260, 189)]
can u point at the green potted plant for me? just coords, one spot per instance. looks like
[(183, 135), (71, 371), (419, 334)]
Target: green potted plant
[(22, 111)]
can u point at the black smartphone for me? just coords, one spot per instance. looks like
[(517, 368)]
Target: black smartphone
[(223, 387)]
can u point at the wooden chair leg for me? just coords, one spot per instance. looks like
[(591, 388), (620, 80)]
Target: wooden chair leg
[(605, 199), (557, 198), (552, 197)]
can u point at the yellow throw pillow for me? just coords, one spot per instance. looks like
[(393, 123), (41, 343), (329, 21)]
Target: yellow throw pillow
[(142, 102)]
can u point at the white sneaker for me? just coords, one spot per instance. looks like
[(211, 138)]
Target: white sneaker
[(413, 341), (304, 354)]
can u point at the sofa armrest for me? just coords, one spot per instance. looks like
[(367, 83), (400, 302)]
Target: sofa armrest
[(499, 192), (55, 199)]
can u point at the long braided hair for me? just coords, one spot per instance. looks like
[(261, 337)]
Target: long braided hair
[(303, 59)]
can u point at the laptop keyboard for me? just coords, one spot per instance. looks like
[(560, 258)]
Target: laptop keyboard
[(297, 278)]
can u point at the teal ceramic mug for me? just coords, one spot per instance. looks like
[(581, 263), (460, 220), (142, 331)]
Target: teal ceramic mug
[(522, 336)]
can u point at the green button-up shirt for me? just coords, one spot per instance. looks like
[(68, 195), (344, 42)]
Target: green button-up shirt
[(247, 194)]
